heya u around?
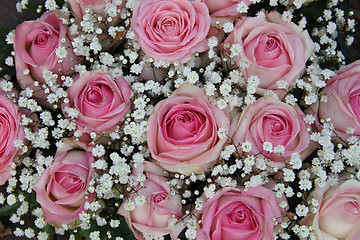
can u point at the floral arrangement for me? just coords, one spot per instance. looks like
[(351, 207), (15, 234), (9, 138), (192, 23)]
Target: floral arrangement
[(181, 119)]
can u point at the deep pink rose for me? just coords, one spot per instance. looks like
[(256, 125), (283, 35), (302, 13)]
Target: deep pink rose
[(101, 101), (235, 214), (273, 49), (224, 8), (153, 217), (10, 130), (61, 189), (338, 215), (171, 29), (342, 105), (270, 120), (98, 7), (35, 44), (183, 131)]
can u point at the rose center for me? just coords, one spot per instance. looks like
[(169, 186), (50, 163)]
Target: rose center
[(276, 127), (69, 182), (238, 217), (271, 44), (98, 94), (42, 38), (167, 26), (159, 197), (185, 124), (352, 208), (242, 218), (94, 95)]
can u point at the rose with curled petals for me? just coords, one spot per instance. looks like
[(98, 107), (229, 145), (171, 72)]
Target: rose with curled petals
[(183, 131), (338, 214), (171, 30), (270, 120), (235, 214), (35, 45), (10, 130), (102, 102), (61, 188), (273, 49), (152, 218), (343, 101)]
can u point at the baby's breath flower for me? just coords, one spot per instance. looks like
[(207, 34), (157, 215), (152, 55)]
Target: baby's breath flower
[(98, 151)]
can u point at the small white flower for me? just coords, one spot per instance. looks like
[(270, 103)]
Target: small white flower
[(228, 27), (331, 27), (267, 146), (242, 7), (279, 149), (129, 205), (140, 200), (222, 133), (61, 52), (9, 61), (51, 5), (29, 232), (98, 151), (246, 146), (212, 42), (282, 84), (301, 210), (305, 184)]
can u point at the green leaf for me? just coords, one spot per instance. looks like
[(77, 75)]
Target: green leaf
[(126, 232), (9, 209)]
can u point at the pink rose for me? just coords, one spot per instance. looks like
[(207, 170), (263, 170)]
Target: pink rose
[(98, 7), (338, 215), (270, 120), (102, 102), (171, 29), (183, 131), (235, 214), (35, 44), (273, 49), (342, 105), (61, 189), (224, 8), (10, 130), (160, 205)]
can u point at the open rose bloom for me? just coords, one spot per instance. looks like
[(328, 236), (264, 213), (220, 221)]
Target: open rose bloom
[(171, 30), (61, 189), (270, 120), (338, 215), (235, 214), (102, 102), (152, 217), (10, 130), (273, 49), (35, 45), (342, 105), (183, 131)]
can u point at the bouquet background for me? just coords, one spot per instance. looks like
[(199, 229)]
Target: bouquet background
[(225, 193)]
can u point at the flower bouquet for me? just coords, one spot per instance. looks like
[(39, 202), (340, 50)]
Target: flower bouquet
[(181, 119)]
